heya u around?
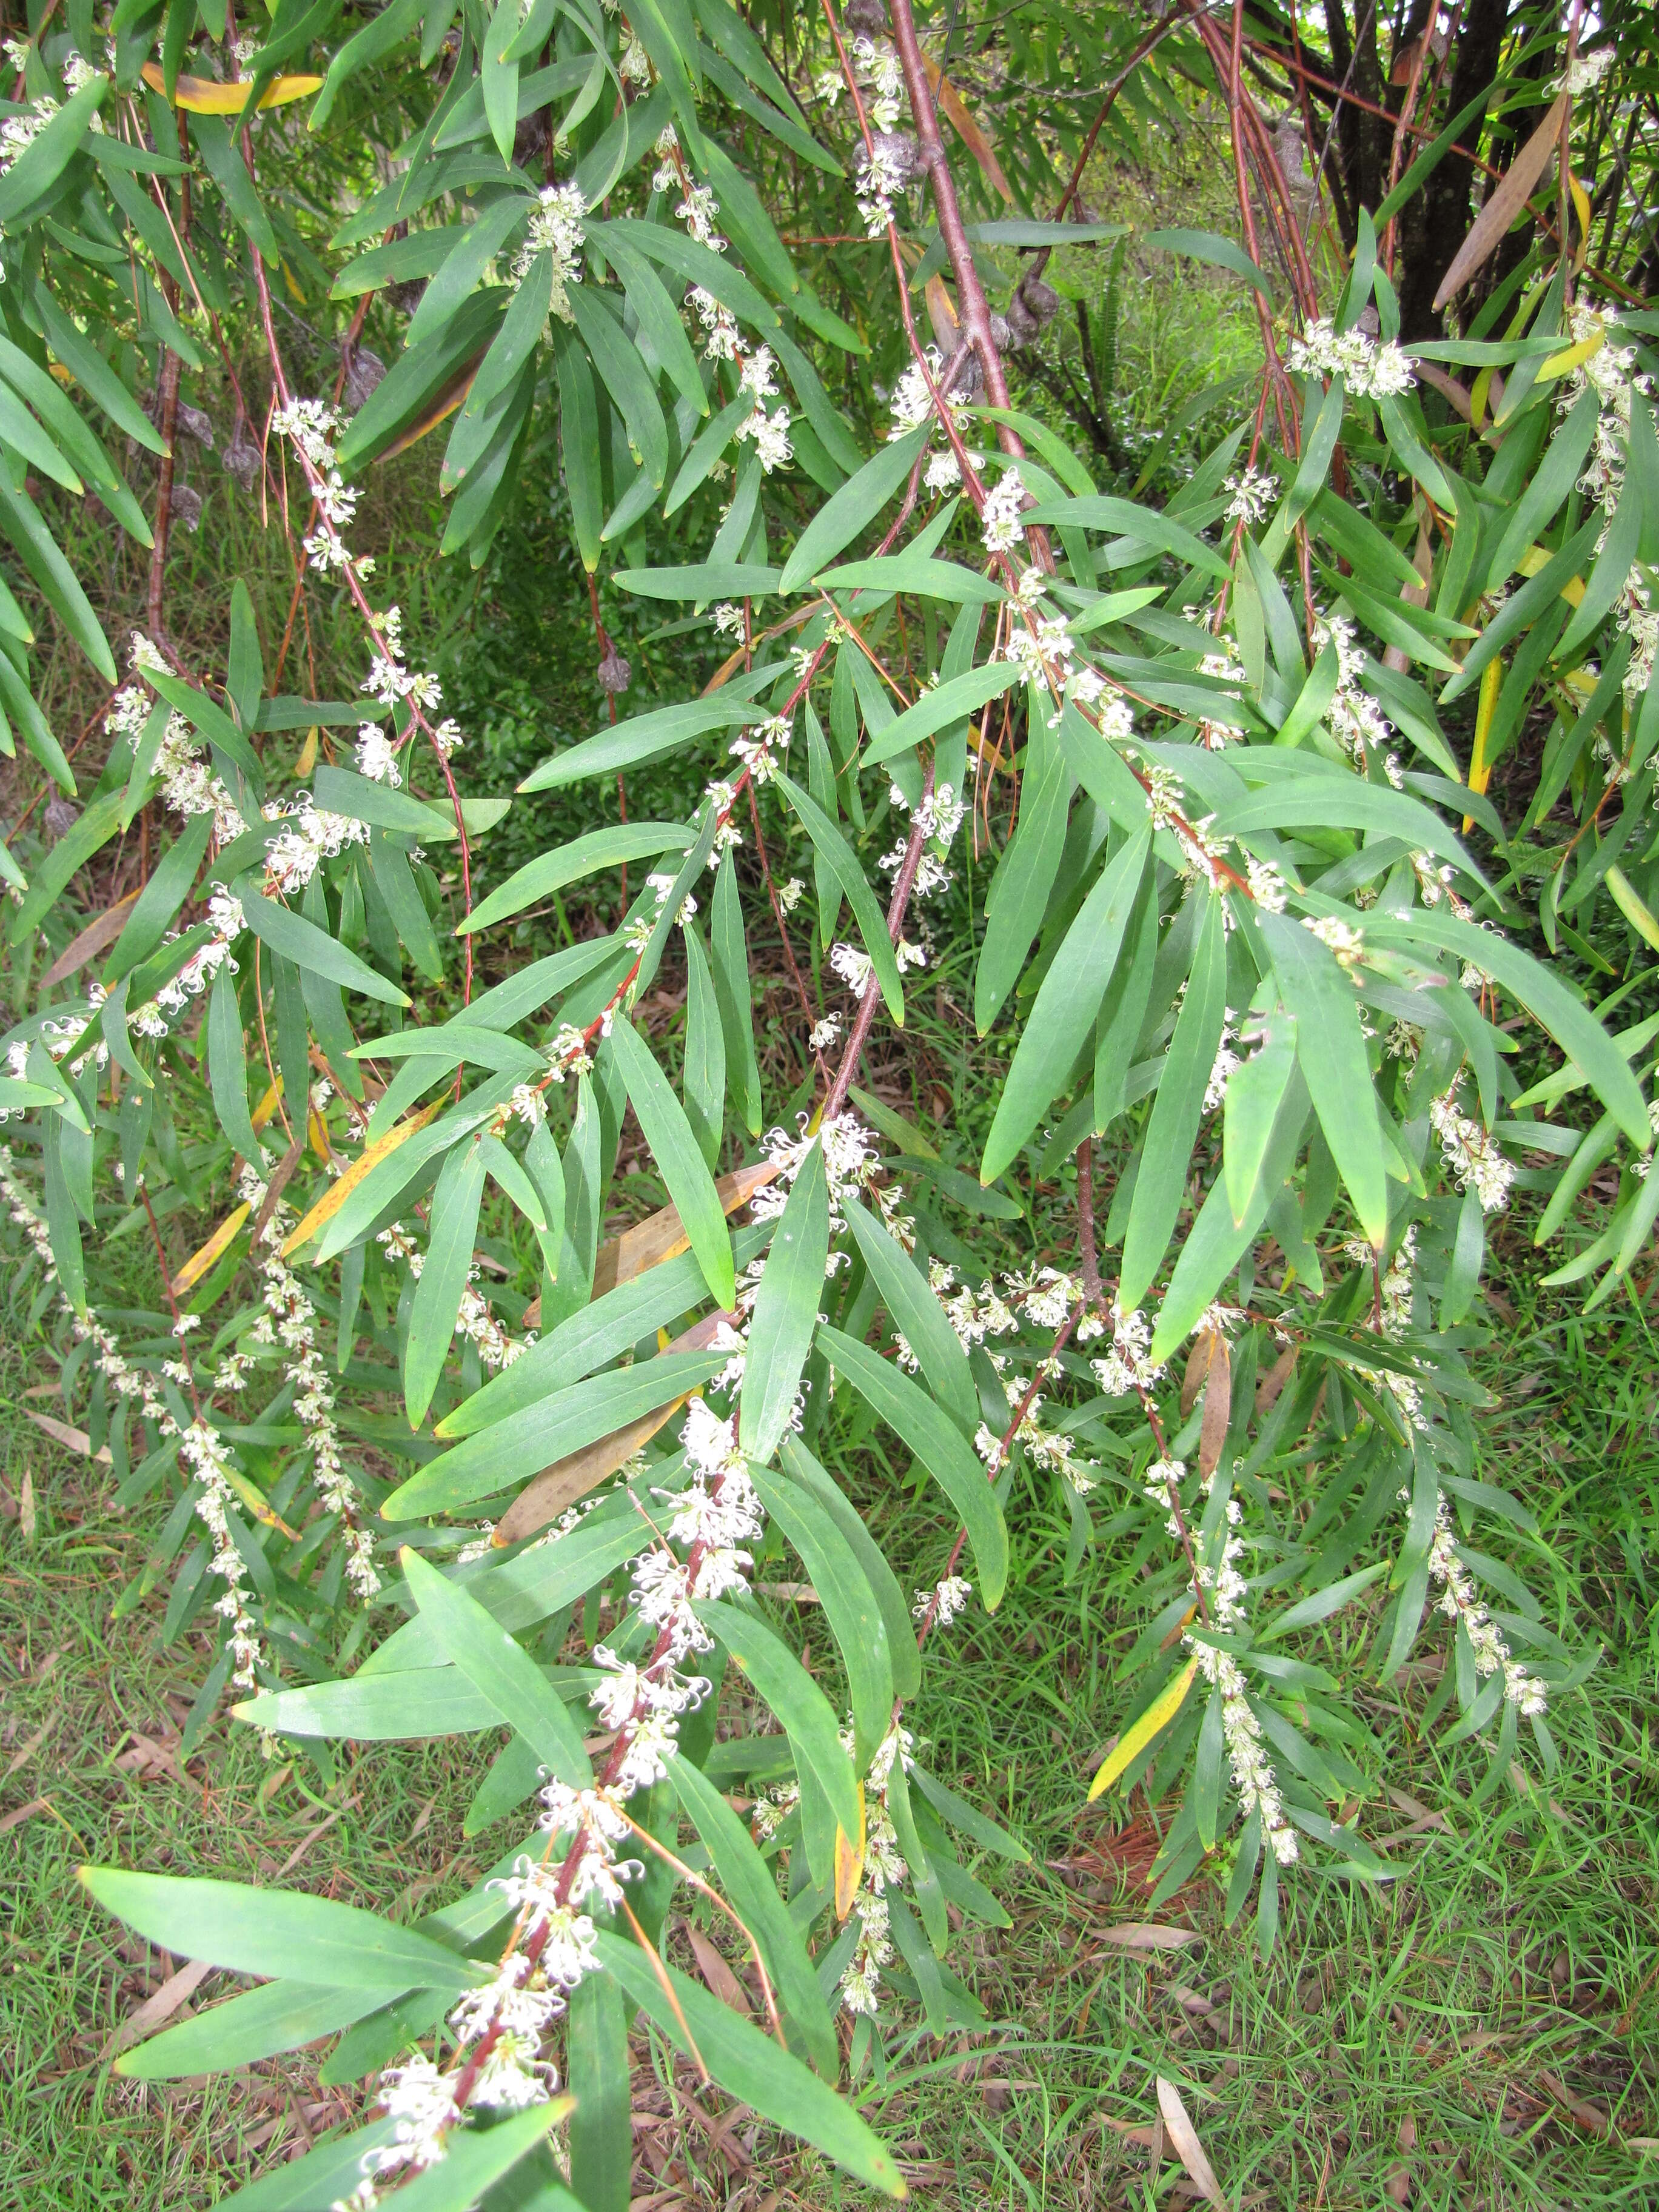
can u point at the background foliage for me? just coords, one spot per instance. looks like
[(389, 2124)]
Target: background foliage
[(1219, 585)]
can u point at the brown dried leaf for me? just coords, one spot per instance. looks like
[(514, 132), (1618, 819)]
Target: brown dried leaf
[(1509, 196), (1148, 1936), (716, 1973), (1184, 2135), (102, 930), (1218, 1408), (72, 1439), (1274, 1381), (561, 1485), (159, 2006), (968, 128)]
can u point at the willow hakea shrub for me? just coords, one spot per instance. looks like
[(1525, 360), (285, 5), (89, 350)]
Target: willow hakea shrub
[(1257, 991)]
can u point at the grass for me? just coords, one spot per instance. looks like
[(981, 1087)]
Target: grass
[(1479, 2031)]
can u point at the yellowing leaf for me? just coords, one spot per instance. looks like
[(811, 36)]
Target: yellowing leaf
[(255, 1501), (1634, 907), (1492, 683), (200, 95), (849, 1863), (215, 1249), (1571, 357), (1129, 1746), (307, 759), (268, 1105), (317, 1134), (341, 1189)]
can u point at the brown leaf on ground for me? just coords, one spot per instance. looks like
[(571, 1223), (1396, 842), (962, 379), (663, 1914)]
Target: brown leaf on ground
[(159, 2006), (1184, 2135)]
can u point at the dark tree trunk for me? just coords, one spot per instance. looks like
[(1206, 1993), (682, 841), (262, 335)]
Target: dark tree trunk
[(1436, 222)]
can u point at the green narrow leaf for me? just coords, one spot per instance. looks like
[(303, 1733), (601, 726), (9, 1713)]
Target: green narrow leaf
[(1254, 1092), (1331, 1050), (599, 2071), (703, 1080), (895, 1607), (490, 1461), (1021, 888), (938, 1442), (1206, 1772), (918, 1314), (261, 2023), (280, 1932), (443, 1278), (828, 841), (786, 1311), (1177, 1107), (227, 1069), (849, 1602), (295, 939), (751, 1889), (501, 1669), (749, 2066), (1063, 1014), (579, 442), (808, 1718), (675, 1149), (852, 509), (539, 878)]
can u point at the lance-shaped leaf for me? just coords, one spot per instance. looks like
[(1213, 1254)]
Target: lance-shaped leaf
[(378, 1149), (884, 1582), (751, 1888), (491, 1461), (853, 508), (833, 849), (808, 1718), (786, 1311), (1255, 1090), (917, 1313), (1167, 1148), (443, 1276), (1503, 204), (1062, 1021), (279, 1932), (1136, 1737), (947, 702), (551, 872), (501, 1669), (261, 2023), (674, 1147), (940, 1446), (301, 941), (749, 2066), (1331, 1050), (849, 1604)]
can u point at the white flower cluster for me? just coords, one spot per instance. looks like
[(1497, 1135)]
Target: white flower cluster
[(1470, 1155), (757, 750), (310, 426), (1250, 496), (768, 431), (883, 1866), (1609, 370), (288, 1326), (1001, 527), (496, 1347), (205, 1458), (943, 1602), (939, 817), (1586, 71), (852, 1166), (1459, 1600), (1355, 719), (912, 405), (18, 131), (1127, 1366), (1371, 368), (1166, 803), (1226, 1060), (556, 228)]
